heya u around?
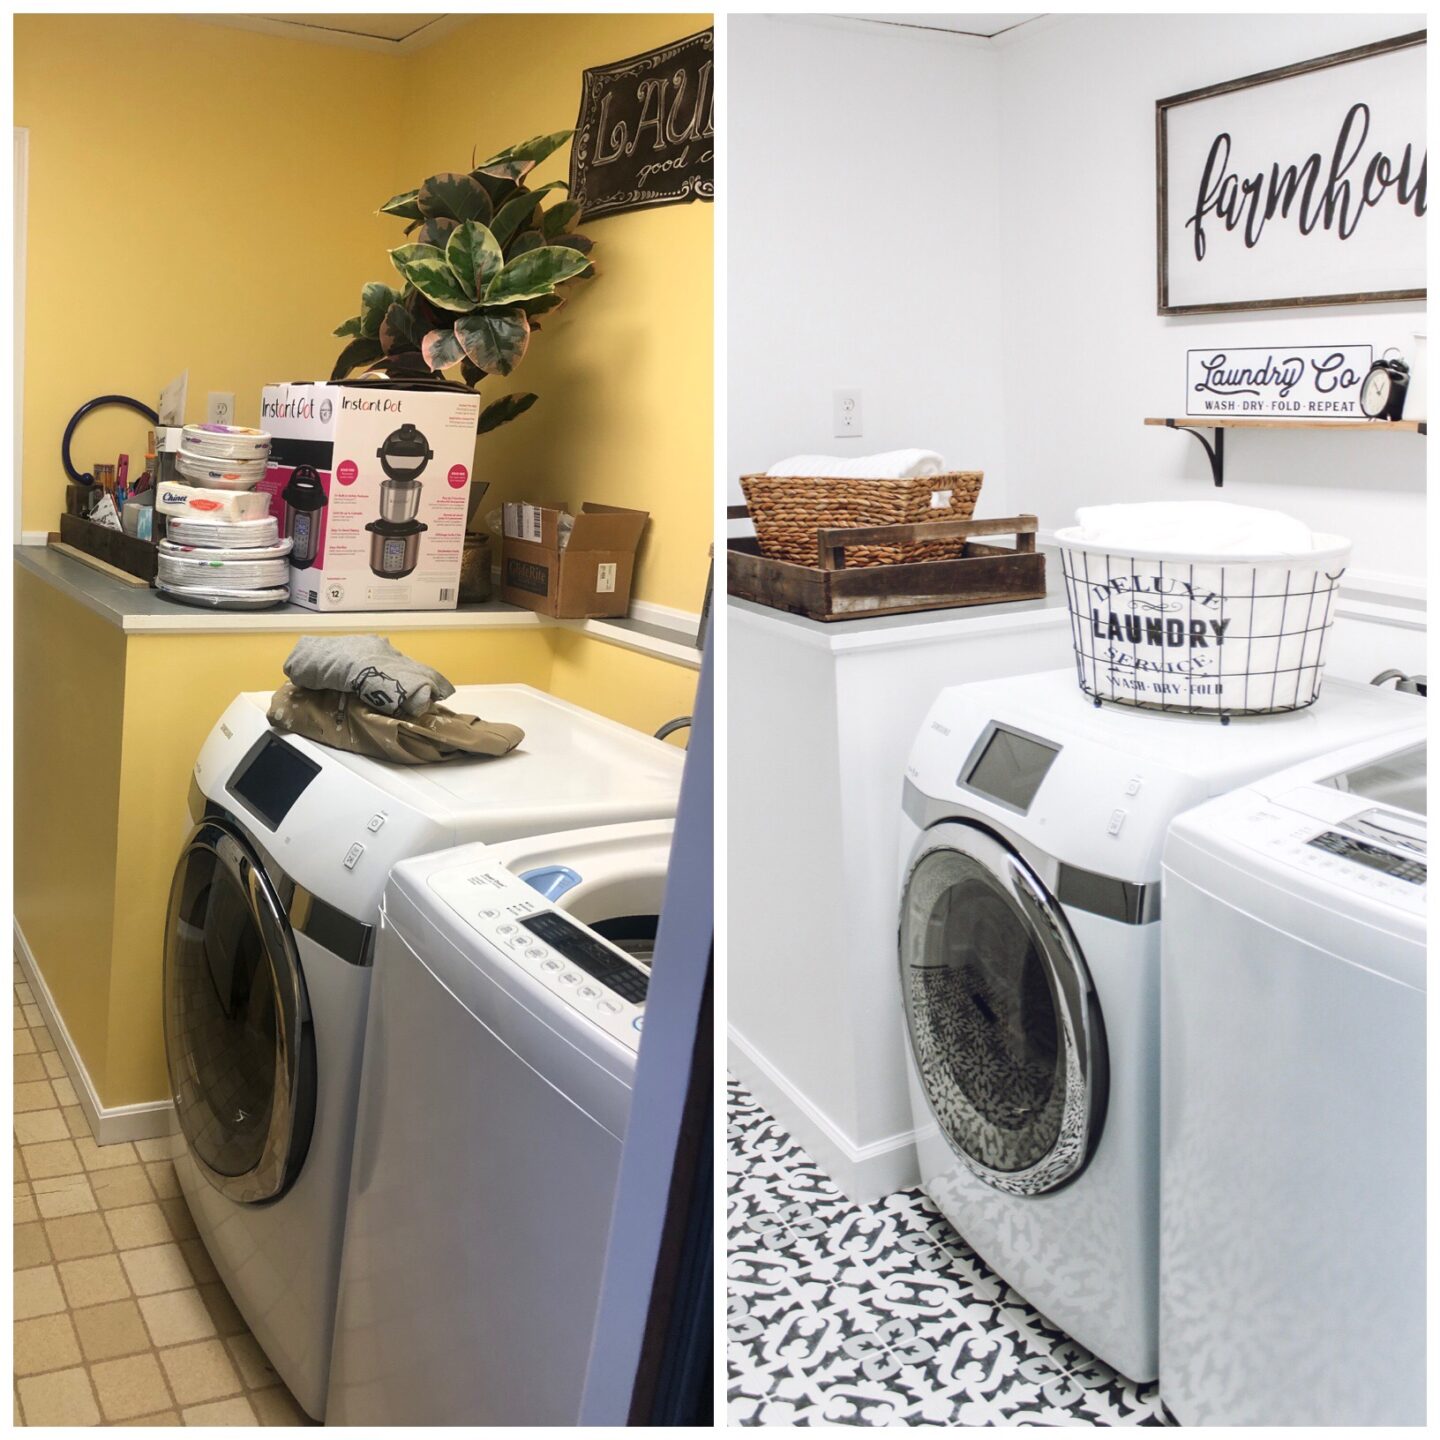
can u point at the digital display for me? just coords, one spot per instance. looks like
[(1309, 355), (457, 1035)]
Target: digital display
[(592, 956), (1010, 768), (1411, 871), (273, 779)]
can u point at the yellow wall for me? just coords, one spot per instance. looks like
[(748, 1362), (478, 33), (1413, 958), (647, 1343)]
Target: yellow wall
[(137, 268), (624, 371), (67, 793), (103, 763), (134, 274)]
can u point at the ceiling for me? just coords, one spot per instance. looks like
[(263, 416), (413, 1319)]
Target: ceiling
[(985, 26), (389, 34)]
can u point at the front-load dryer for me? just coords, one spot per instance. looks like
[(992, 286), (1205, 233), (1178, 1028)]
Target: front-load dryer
[(505, 1016), (1030, 972), (268, 947), (1292, 1177)]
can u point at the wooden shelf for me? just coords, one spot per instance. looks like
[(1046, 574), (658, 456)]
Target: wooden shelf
[(1215, 453), (1416, 427)]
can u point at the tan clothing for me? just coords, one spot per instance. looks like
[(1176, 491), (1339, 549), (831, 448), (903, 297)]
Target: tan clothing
[(342, 721)]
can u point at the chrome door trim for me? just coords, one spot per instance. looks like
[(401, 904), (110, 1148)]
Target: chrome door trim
[(1082, 1032), (231, 849), (1127, 901), (344, 936)]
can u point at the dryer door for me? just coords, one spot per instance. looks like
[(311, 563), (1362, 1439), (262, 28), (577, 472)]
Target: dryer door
[(239, 1050), (1004, 1027)]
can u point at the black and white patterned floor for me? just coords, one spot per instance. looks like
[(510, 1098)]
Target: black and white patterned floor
[(879, 1314)]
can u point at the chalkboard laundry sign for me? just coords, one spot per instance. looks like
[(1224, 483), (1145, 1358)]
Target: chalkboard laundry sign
[(646, 131)]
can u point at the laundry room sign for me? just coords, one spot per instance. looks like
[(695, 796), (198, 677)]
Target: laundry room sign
[(1299, 186), (646, 132), (1258, 382)]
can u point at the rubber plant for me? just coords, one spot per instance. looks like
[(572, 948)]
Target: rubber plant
[(486, 261)]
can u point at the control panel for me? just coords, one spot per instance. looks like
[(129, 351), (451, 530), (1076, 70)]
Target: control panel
[(582, 968), (1351, 852)]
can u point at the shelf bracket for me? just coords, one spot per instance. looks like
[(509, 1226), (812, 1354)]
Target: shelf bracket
[(1214, 453)]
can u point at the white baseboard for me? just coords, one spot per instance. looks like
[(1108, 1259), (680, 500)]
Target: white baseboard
[(862, 1172), (110, 1125)]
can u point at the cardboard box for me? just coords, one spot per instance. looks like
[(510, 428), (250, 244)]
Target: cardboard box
[(372, 530), (588, 577)]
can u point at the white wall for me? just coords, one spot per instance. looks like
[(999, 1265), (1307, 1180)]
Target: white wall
[(864, 242), (1086, 356)]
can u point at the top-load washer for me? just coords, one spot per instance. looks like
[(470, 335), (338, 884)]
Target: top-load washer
[(1030, 972), (269, 940), (505, 1017), (1292, 1235)]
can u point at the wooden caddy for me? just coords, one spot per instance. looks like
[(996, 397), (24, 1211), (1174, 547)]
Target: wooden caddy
[(831, 590)]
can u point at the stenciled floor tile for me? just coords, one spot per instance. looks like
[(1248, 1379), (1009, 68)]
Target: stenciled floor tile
[(880, 1314)]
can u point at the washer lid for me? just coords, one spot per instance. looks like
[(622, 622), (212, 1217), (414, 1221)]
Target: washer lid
[(574, 768)]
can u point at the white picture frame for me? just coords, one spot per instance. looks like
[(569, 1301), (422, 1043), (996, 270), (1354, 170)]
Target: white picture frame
[(1298, 186)]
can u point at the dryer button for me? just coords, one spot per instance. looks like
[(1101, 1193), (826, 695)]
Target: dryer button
[(1117, 820), (587, 992), (374, 823), (569, 978), (1132, 785), (352, 856), (553, 964), (609, 1007)]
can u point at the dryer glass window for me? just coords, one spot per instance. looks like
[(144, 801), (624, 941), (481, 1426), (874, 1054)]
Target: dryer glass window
[(985, 1026), (222, 1033)]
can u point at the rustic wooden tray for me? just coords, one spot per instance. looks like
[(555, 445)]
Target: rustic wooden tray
[(830, 590), (114, 547)]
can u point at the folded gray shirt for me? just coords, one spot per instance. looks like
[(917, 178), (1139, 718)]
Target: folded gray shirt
[(368, 666)]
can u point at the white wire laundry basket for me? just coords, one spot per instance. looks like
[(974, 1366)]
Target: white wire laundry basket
[(1205, 634)]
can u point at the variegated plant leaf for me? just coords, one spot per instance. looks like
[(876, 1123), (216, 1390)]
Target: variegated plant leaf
[(436, 232), (442, 349), (405, 204), (453, 196), (503, 411), (400, 331), (348, 327), (537, 272), (406, 363), (474, 254), (375, 299), (560, 218), (425, 268), (470, 372), (357, 352), (515, 213), (520, 160), (526, 240), (495, 339)]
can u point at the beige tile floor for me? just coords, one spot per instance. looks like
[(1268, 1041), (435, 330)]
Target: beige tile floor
[(120, 1318)]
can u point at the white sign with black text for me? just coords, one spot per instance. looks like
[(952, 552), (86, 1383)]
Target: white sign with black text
[(1298, 382), (1300, 186)]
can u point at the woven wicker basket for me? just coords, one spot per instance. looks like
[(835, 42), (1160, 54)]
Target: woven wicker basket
[(789, 511)]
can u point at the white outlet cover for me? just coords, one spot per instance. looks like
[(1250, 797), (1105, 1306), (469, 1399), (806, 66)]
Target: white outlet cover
[(220, 407), (849, 417)]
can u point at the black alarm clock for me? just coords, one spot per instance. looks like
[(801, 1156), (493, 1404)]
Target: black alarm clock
[(1382, 392)]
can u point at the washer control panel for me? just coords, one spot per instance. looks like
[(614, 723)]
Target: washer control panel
[(570, 960), (1349, 852)]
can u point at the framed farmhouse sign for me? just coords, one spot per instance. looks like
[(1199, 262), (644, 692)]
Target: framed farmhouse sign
[(1299, 186), (1292, 382), (646, 132)]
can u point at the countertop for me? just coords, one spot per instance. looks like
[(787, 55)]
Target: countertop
[(145, 611)]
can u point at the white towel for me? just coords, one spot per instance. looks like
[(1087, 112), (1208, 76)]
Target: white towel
[(1193, 527), (891, 465)]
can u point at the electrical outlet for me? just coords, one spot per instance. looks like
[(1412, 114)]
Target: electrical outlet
[(848, 419), (220, 407)]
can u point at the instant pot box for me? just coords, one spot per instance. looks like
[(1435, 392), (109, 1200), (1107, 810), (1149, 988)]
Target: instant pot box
[(584, 575), (371, 482)]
